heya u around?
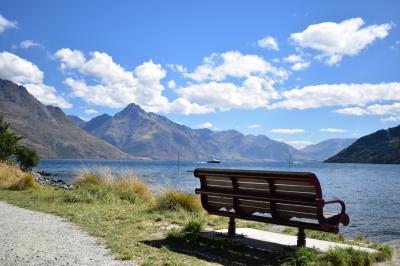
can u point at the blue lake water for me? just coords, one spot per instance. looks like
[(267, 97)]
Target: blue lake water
[(371, 192)]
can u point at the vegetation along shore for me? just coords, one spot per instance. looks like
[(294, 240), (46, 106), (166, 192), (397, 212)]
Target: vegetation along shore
[(161, 229)]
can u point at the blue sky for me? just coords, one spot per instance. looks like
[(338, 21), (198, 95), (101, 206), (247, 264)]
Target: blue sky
[(299, 72)]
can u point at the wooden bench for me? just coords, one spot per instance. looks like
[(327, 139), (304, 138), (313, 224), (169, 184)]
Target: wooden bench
[(284, 198)]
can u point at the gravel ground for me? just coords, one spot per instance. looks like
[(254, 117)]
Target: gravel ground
[(36, 238)]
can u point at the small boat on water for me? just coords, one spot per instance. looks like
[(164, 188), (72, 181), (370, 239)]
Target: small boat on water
[(214, 161)]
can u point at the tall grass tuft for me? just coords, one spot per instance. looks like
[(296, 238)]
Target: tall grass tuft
[(130, 189), (87, 178), (25, 182), (305, 256), (172, 200), (104, 186), (12, 177)]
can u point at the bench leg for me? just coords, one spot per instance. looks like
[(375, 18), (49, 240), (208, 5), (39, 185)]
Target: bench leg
[(232, 226), (301, 238)]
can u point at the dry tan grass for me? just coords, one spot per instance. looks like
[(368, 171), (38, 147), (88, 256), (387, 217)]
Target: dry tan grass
[(136, 186), (126, 186), (12, 177), (86, 178), (172, 199)]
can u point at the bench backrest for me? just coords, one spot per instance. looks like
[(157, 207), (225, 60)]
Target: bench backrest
[(278, 195)]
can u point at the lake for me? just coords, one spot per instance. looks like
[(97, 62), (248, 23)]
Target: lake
[(371, 192)]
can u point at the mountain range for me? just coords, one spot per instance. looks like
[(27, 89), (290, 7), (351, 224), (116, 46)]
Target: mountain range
[(148, 135), (327, 148), (383, 146), (47, 129), (135, 133)]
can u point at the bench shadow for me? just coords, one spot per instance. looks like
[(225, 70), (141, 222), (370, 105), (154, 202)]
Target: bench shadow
[(227, 251)]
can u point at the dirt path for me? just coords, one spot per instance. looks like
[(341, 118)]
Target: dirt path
[(35, 238)]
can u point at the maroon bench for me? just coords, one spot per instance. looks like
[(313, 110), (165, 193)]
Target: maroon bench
[(284, 198)]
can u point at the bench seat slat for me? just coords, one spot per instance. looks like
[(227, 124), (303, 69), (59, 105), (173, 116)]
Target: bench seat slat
[(304, 183), (252, 203), (221, 183), (264, 186), (298, 208), (252, 180), (305, 195), (220, 199), (218, 178), (295, 188), (289, 214), (260, 196)]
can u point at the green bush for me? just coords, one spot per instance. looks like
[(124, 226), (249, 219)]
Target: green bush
[(26, 157), (8, 141)]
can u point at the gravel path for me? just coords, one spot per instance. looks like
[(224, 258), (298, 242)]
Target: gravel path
[(35, 238)]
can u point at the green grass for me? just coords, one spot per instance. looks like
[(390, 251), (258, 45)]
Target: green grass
[(166, 230)]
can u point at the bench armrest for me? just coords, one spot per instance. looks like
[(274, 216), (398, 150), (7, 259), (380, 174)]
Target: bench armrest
[(331, 201)]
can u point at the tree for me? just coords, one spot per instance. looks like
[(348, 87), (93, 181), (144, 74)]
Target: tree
[(8, 141), (27, 157)]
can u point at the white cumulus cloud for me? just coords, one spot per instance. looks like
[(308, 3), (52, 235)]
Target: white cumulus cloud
[(333, 130), (171, 84), (116, 87), (287, 130), (375, 109), (28, 44), (268, 43), (338, 95), (254, 126), (177, 68), (335, 40), (391, 119), (255, 92), (24, 72), (6, 24), (217, 67), (299, 63), (300, 66), (91, 111), (205, 125)]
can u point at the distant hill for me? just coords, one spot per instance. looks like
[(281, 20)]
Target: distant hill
[(76, 120), (383, 146), (47, 128), (149, 135), (327, 148)]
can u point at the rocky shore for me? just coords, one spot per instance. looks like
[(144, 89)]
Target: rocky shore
[(45, 179)]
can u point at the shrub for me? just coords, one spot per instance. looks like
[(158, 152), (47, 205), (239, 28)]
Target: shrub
[(86, 178), (131, 189), (11, 177), (25, 182), (172, 200), (27, 157), (8, 141)]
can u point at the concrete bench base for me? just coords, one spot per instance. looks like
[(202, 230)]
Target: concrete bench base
[(274, 241)]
